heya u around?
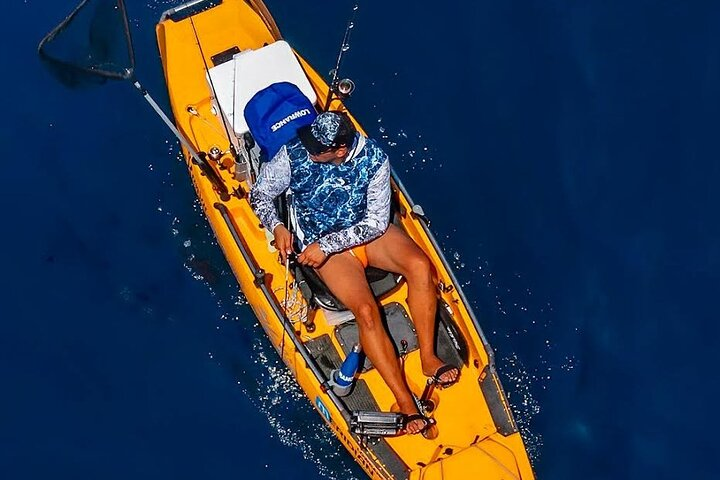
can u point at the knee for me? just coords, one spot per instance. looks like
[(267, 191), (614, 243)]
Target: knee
[(419, 269), (367, 315)]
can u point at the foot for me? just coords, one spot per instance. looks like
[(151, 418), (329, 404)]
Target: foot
[(414, 421), (443, 373)]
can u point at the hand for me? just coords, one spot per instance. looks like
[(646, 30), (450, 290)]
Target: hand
[(283, 241), (312, 256)]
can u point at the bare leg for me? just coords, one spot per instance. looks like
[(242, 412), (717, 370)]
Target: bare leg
[(345, 277), (396, 252)]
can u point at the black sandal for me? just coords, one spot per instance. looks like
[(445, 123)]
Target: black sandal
[(439, 373), (417, 416)]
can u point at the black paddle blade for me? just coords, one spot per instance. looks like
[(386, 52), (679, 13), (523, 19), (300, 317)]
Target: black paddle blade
[(91, 46)]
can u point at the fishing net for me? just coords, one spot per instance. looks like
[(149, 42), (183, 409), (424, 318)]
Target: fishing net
[(91, 45)]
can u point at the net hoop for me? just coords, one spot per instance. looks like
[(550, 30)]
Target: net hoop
[(125, 74)]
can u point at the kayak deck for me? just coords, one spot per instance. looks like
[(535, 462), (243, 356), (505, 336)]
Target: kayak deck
[(475, 431)]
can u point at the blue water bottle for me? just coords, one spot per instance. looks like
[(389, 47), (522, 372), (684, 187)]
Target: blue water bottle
[(343, 378)]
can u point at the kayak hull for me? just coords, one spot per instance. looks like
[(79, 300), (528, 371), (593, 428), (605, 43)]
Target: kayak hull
[(475, 430)]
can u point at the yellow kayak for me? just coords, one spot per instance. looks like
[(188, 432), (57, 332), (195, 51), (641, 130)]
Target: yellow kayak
[(215, 55)]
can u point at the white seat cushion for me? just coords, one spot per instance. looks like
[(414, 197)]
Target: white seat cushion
[(249, 72)]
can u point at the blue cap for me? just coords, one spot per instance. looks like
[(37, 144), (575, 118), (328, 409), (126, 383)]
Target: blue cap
[(329, 130)]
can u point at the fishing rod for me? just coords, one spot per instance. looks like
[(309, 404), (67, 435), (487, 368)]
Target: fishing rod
[(342, 88), (231, 145)]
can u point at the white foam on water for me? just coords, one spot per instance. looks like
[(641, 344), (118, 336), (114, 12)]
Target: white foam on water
[(161, 5), (518, 383), (407, 152)]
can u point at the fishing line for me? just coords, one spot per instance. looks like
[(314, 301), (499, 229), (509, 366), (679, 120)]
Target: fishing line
[(285, 304)]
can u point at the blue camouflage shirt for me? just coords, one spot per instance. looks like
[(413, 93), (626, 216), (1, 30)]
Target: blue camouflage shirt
[(338, 206)]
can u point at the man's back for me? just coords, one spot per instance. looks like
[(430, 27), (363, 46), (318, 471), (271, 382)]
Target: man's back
[(337, 204), (327, 197)]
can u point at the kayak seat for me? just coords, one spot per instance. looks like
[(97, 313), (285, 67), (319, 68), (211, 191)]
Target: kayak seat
[(317, 293)]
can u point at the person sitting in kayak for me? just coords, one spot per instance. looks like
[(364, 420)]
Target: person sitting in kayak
[(340, 184)]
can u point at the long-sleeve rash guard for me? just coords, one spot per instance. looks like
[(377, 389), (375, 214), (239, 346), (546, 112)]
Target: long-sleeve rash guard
[(338, 206)]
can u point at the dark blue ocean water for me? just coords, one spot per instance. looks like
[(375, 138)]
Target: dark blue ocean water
[(567, 153)]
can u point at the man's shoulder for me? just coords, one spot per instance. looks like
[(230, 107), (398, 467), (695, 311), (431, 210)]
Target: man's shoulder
[(294, 142), (375, 152), (294, 149), (372, 144), (291, 149)]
